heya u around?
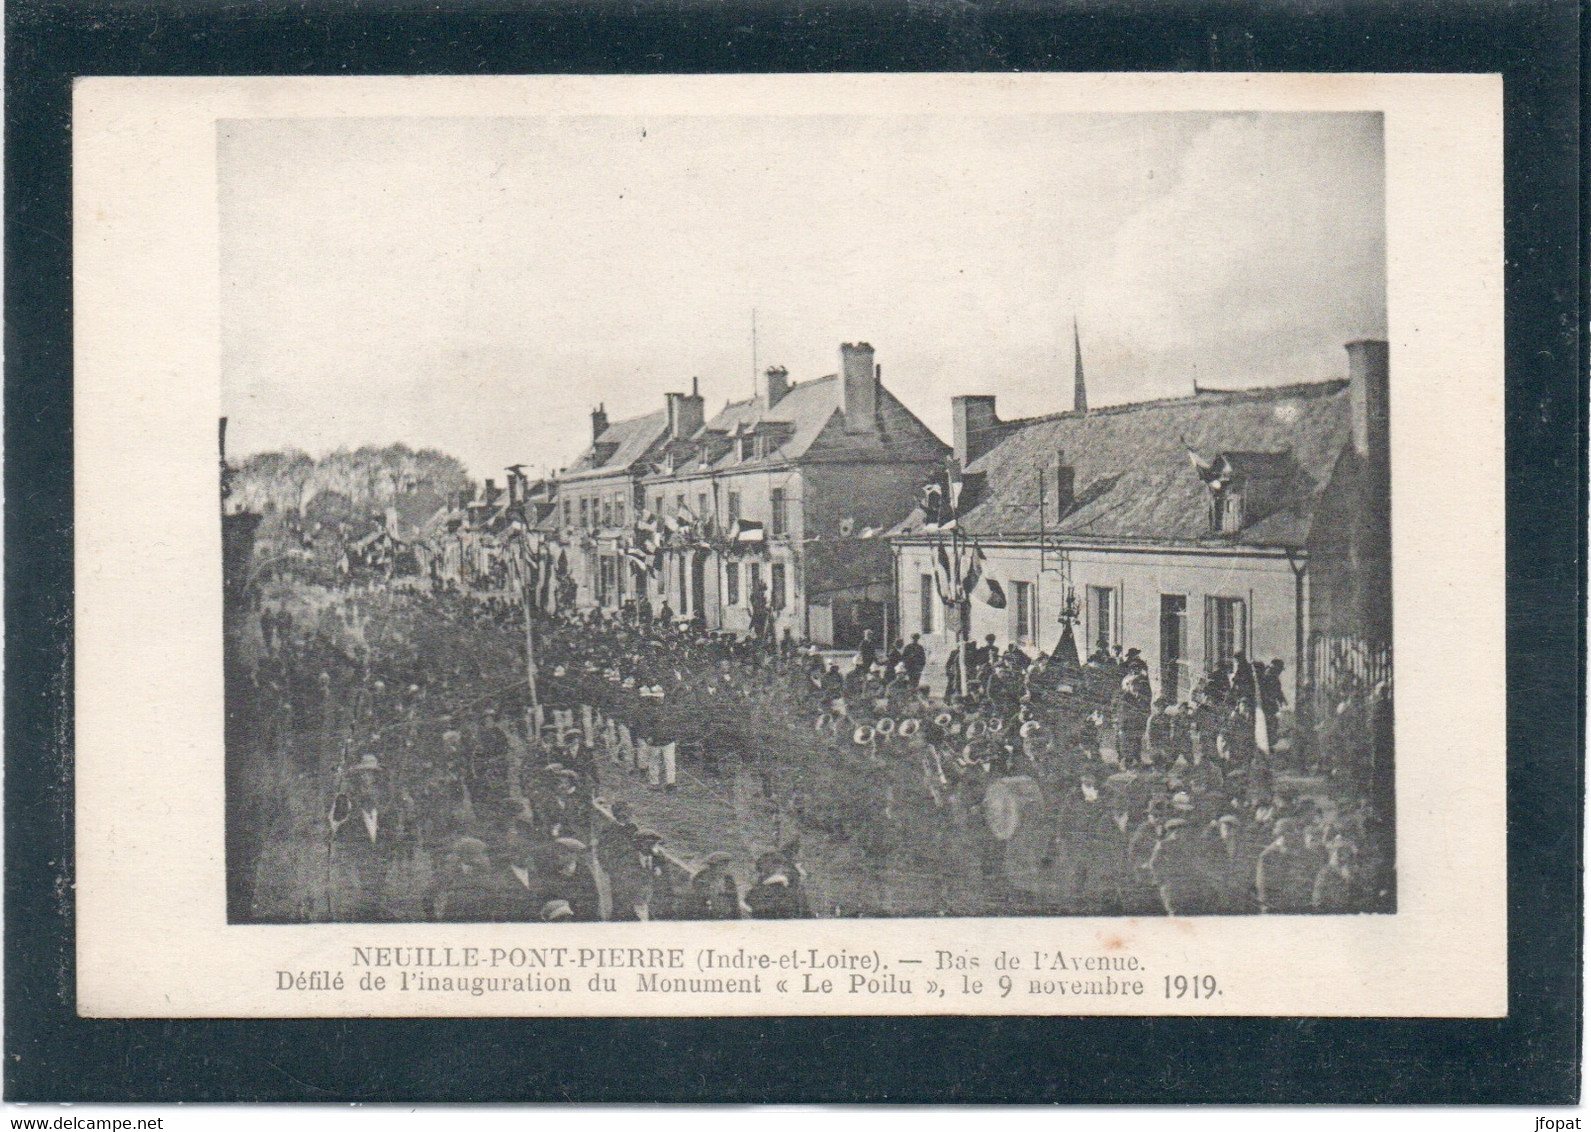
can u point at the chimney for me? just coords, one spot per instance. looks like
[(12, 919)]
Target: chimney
[(1065, 486), (685, 413), (974, 427), (858, 387), (599, 422), (775, 384), (1368, 396)]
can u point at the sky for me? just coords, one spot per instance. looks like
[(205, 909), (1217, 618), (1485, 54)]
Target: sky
[(479, 285)]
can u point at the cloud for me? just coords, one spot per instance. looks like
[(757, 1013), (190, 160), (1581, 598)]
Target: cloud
[(1264, 254)]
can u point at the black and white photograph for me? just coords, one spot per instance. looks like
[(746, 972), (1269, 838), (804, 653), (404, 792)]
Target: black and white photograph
[(735, 516)]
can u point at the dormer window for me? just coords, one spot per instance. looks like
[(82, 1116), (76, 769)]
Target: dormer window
[(1226, 509), (1246, 487)]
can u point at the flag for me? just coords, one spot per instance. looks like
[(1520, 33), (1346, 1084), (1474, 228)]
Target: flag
[(749, 530), (980, 585), (1215, 473), (945, 578)]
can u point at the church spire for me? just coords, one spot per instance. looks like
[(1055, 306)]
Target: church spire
[(1079, 390)]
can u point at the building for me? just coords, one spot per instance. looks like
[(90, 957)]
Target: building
[(1192, 529), (594, 500), (772, 513)]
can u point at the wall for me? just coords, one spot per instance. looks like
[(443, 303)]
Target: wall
[(1140, 577)]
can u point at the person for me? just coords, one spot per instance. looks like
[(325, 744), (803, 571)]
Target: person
[(866, 652), (714, 894), (1132, 716), (1269, 688), (778, 894), (368, 833), (467, 891), (913, 659)]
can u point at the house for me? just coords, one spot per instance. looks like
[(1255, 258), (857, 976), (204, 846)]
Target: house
[(594, 501), (1194, 528), (788, 495), (773, 511)]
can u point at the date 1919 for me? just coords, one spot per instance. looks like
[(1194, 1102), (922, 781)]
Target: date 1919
[(1191, 986)]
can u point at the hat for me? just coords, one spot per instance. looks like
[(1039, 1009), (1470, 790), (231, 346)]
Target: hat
[(996, 725), (558, 670), (368, 762), (642, 836), (885, 726), (863, 735), (556, 910), (908, 728), (1030, 727), (1132, 653), (943, 719), (573, 844)]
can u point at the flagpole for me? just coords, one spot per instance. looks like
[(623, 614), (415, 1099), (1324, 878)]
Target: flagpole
[(958, 590), (533, 714)]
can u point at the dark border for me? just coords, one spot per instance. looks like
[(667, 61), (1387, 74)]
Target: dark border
[(1532, 1057)]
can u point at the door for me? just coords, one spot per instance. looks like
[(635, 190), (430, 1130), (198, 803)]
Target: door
[(1173, 645), (698, 582)]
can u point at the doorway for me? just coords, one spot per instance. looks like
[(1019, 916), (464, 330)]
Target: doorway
[(1173, 645)]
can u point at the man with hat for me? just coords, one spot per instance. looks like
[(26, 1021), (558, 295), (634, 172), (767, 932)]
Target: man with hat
[(367, 835), (914, 659)]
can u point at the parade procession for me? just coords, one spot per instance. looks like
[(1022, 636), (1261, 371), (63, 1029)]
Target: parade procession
[(551, 704)]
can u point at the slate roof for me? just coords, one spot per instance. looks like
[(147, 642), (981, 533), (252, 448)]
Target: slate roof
[(808, 425), (621, 445), (1134, 481)]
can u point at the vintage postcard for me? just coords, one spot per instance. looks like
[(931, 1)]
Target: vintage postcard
[(724, 545)]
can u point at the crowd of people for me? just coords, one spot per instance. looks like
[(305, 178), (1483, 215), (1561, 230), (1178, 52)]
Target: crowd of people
[(1030, 785)]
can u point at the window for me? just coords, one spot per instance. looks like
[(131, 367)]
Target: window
[(732, 583), (776, 512), (568, 513), (607, 511), (927, 599), (679, 505), (701, 506), (1225, 630), (657, 505), (1102, 627), (734, 507), (605, 582), (1023, 621), (618, 509), (585, 513), (777, 598), (1226, 510), (753, 578)]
